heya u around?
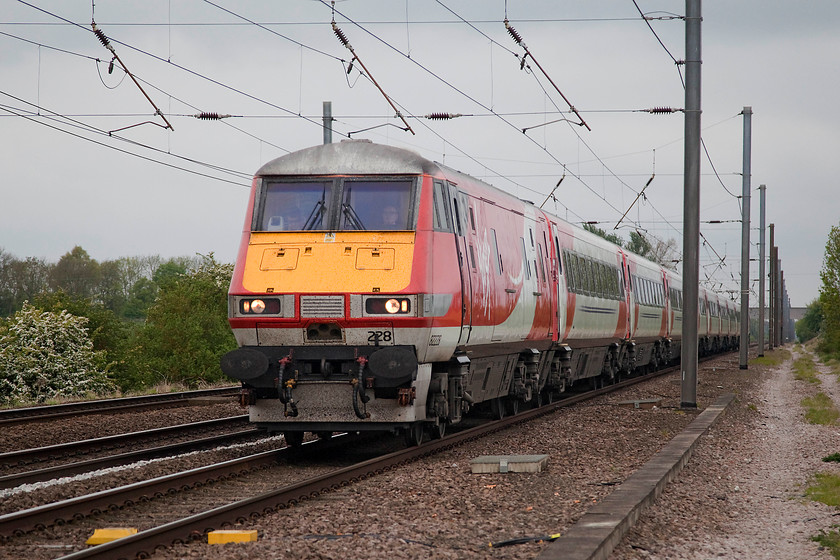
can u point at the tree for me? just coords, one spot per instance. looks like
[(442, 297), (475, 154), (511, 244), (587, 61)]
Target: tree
[(810, 324), (186, 330), (638, 244), (111, 291), (76, 273), (7, 291), (830, 293), (611, 237), (44, 355), (30, 277)]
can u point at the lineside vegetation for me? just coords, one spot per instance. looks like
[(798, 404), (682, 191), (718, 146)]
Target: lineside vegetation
[(82, 328)]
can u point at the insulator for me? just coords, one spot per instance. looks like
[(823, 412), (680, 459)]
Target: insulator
[(210, 116), (513, 33), (443, 116), (661, 110), (101, 36), (341, 36)]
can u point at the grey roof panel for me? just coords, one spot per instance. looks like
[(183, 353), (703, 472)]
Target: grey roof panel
[(350, 157)]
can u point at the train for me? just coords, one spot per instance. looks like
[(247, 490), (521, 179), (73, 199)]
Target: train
[(377, 290)]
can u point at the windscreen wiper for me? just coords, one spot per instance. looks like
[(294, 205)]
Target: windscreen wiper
[(315, 215), (352, 217)]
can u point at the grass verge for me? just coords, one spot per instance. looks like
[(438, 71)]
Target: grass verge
[(820, 409), (804, 369), (772, 358), (830, 540), (825, 488)]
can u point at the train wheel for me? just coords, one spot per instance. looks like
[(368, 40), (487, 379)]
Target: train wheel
[(414, 434), (437, 431), (497, 408), (293, 439)]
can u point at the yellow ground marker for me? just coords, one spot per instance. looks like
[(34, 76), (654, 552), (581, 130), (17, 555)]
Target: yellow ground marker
[(102, 536), (231, 536)]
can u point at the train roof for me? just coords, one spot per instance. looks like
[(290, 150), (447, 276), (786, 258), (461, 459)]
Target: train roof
[(349, 157)]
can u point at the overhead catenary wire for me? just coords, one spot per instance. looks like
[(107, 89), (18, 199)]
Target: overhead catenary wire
[(107, 44), (290, 115), (518, 38), (344, 41), (44, 113)]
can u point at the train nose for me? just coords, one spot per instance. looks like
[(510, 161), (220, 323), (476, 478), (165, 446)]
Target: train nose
[(244, 364)]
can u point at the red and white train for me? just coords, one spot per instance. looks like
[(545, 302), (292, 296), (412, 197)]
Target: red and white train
[(377, 290)]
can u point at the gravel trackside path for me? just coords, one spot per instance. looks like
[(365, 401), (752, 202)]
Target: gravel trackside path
[(742, 493)]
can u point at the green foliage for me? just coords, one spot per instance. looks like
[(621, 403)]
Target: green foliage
[(76, 273), (810, 324), (820, 409), (44, 355), (611, 237), (830, 540), (825, 488), (638, 244), (830, 294), (108, 333), (833, 458), (186, 330), (772, 358), (804, 369)]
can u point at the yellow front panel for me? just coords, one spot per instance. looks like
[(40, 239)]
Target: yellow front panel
[(345, 261)]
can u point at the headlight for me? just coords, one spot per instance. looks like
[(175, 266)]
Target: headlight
[(387, 306), (259, 306)]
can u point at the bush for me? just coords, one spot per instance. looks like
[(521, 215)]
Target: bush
[(186, 330), (810, 324), (44, 355)]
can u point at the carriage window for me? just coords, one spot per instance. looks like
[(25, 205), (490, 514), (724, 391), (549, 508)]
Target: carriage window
[(294, 206), (441, 210), (496, 250), (375, 205), (525, 260), (571, 271)]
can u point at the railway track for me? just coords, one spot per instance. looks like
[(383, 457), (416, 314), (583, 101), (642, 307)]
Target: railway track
[(20, 415), (68, 469), (194, 526)]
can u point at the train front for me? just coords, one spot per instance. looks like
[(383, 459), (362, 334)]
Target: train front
[(326, 299)]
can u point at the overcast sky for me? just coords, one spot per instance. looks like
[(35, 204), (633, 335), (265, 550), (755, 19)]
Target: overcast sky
[(144, 189)]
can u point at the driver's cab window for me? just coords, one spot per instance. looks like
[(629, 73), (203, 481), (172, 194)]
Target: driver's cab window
[(294, 206), (375, 205)]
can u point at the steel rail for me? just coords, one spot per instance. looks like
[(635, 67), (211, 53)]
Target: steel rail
[(19, 415), (24, 456), (59, 471), (26, 520)]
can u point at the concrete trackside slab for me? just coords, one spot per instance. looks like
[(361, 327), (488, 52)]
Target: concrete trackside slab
[(601, 528)]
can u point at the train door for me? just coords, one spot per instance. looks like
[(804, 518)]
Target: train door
[(560, 282), (460, 208), (629, 296)]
